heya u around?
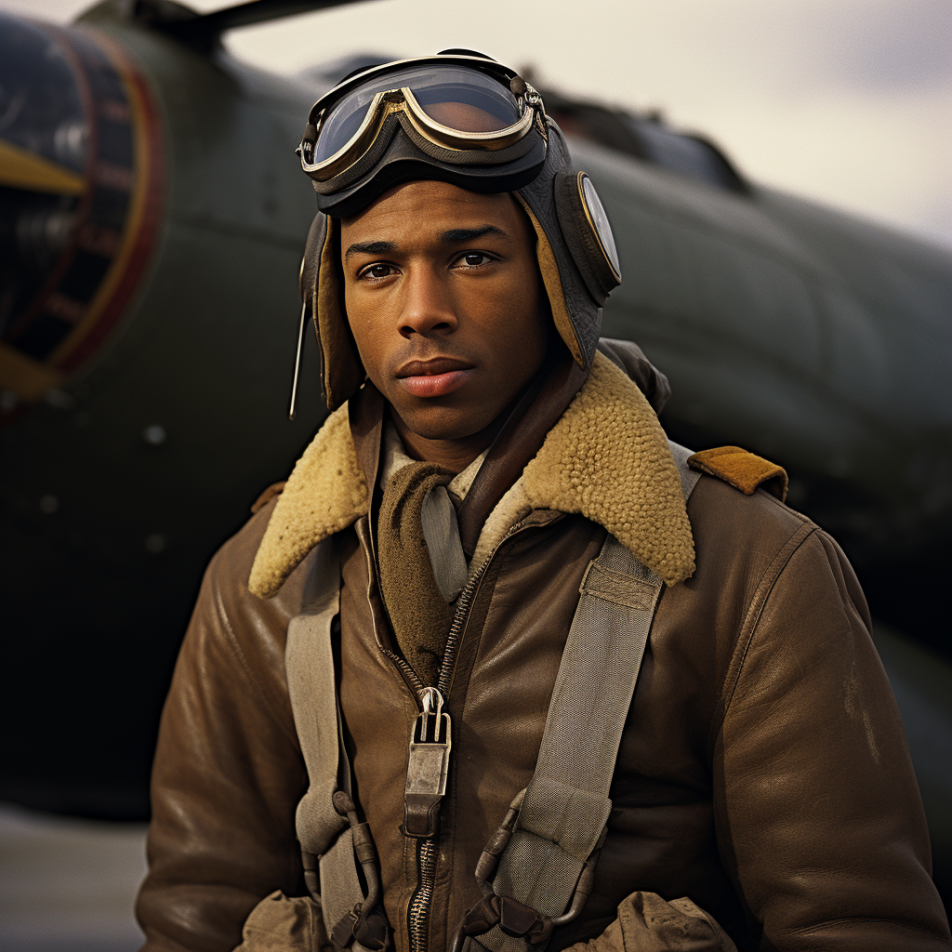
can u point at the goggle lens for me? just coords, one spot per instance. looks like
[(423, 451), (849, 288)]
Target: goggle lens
[(464, 100)]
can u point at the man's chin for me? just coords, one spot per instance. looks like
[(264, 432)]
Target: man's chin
[(442, 424)]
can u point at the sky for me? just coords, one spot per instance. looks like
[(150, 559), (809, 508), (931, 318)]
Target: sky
[(848, 102)]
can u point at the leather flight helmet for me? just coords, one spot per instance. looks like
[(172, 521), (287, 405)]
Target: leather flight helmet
[(462, 118)]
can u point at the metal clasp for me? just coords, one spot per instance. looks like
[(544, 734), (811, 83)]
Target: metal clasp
[(427, 768), (514, 918), (534, 100)]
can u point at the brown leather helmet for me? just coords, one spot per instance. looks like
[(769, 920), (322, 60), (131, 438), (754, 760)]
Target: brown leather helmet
[(391, 124)]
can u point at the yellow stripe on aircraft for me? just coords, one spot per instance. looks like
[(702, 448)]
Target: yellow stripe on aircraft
[(22, 169), (26, 377)]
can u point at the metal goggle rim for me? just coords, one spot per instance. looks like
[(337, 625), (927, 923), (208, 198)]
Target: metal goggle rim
[(386, 103)]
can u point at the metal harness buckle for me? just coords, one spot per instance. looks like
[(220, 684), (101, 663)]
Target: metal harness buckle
[(428, 768), (514, 918)]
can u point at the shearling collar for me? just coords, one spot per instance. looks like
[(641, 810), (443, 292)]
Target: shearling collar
[(607, 459)]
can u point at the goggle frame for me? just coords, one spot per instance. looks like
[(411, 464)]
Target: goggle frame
[(401, 103)]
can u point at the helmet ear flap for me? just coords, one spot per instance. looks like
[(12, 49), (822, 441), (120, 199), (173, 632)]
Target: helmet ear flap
[(587, 233), (554, 288), (342, 372), (311, 259)]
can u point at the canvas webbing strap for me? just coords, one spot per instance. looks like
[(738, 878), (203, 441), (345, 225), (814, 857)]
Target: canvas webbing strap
[(566, 804), (309, 661)]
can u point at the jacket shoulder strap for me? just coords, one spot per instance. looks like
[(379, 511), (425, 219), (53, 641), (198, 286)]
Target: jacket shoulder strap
[(742, 470), (566, 806)]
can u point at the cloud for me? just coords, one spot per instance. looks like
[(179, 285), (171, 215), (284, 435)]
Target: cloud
[(880, 156), (892, 47)]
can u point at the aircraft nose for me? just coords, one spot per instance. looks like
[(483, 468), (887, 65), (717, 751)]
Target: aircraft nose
[(73, 187)]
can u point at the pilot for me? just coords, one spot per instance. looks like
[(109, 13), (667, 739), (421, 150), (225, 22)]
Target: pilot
[(499, 667)]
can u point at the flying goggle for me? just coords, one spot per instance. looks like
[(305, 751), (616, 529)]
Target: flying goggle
[(459, 110)]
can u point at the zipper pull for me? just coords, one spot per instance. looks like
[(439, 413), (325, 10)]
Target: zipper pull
[(428, 767)]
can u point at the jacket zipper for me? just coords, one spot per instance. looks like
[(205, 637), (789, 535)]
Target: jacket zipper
[(452, 640), (418, 912), (418, 909)]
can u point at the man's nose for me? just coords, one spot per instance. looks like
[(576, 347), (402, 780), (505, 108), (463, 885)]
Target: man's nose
[(427, 304)]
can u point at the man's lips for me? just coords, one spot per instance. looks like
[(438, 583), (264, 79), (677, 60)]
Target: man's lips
[(434, 378)]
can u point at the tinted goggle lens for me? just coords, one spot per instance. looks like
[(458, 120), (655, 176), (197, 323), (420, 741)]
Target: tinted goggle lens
[(463, 100)]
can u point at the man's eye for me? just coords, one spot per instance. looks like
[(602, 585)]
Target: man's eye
[(377, 271), (473, 259)]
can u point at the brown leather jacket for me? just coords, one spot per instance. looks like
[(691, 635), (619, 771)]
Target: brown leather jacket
[(763, 771)]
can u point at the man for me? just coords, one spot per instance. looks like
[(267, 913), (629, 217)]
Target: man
[(395, 651)]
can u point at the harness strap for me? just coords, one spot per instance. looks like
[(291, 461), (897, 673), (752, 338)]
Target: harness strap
[(566, 804), (309, 661)]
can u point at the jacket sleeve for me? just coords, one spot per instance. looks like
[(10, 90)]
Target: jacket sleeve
[(817, 810), (228, 770)]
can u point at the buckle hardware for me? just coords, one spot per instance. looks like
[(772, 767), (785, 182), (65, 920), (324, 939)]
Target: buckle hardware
[(427, 767), (515, 919)]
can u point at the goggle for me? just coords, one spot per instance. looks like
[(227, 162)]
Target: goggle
[(460, 109)]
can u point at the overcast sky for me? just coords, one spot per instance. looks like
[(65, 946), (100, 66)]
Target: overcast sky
[(845, 101)]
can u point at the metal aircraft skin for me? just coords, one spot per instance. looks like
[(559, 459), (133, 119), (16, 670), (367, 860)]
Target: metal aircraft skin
[(152, 219)]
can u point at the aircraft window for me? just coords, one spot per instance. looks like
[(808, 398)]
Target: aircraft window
[(685, 155)]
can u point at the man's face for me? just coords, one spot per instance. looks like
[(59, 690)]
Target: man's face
[(443, 295)]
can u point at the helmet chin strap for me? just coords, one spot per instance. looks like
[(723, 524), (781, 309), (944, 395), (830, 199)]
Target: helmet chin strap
[(297, 362)]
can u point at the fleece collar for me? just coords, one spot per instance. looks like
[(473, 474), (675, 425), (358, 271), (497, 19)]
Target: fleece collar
[(607, 459)]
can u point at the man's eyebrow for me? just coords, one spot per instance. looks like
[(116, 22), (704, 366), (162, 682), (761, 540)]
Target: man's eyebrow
[(370, 248), (471, 234), (453, 236)]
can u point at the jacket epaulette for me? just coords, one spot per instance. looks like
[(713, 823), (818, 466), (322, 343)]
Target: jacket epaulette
[(743, 470)]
